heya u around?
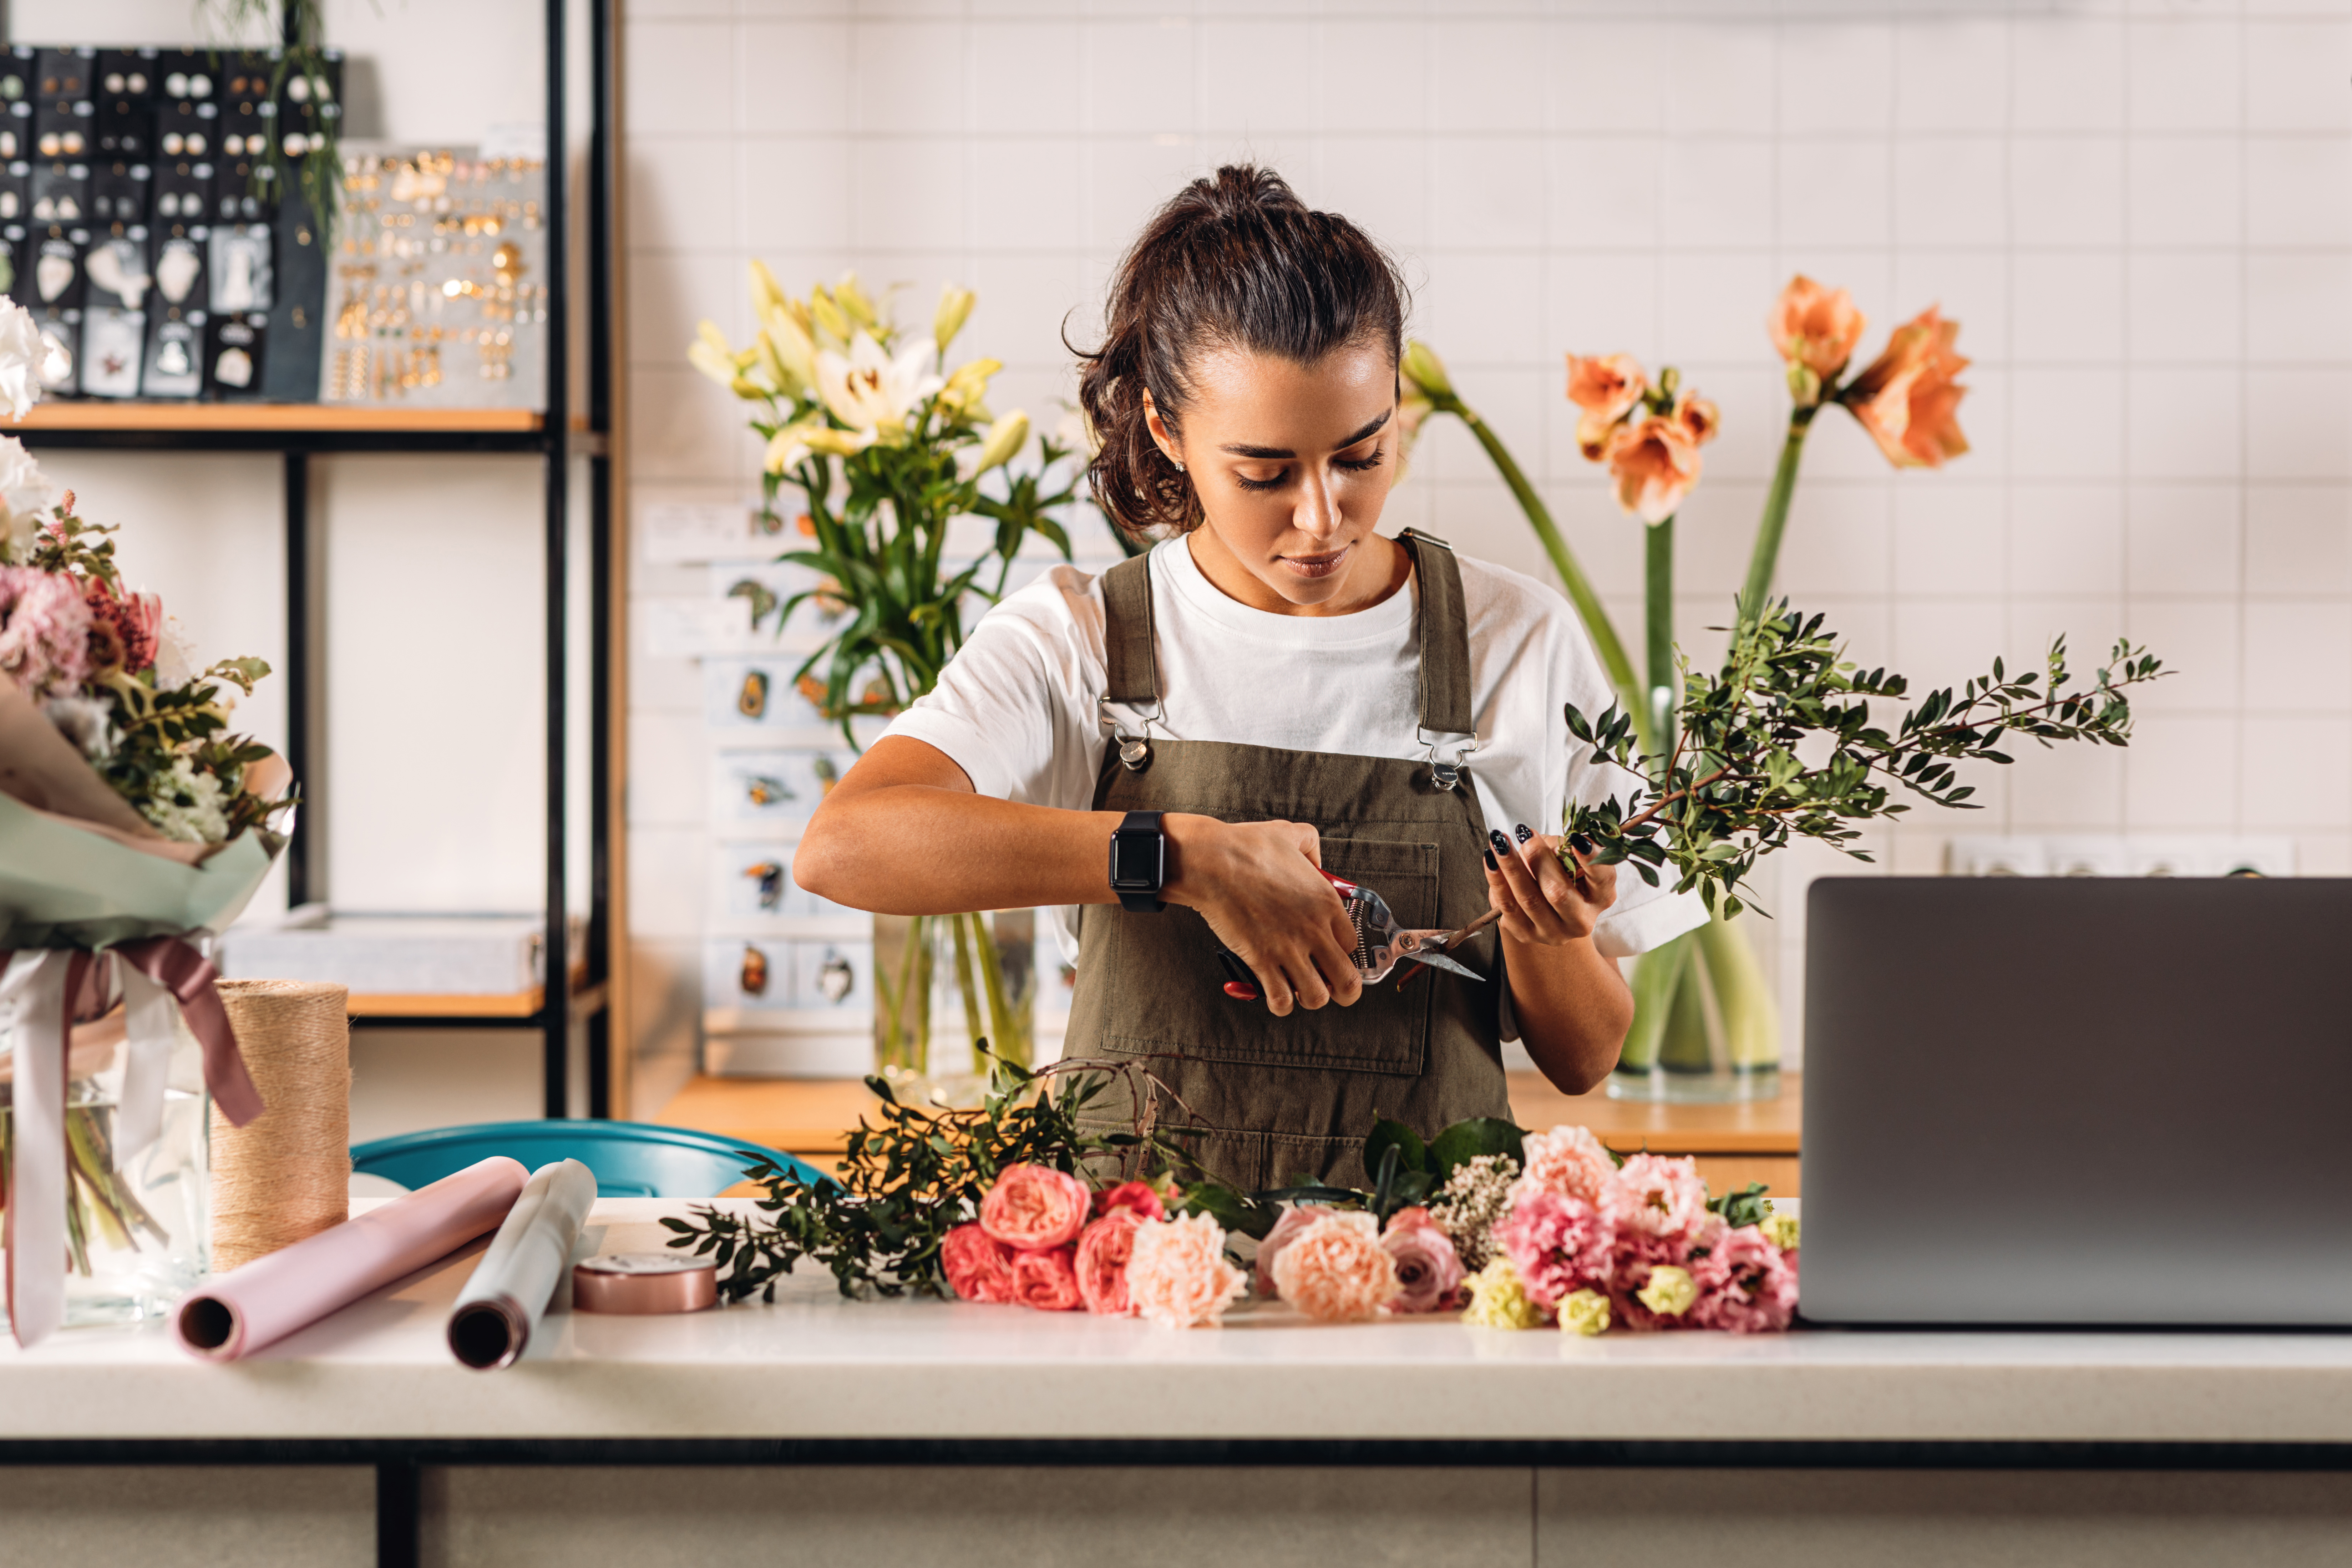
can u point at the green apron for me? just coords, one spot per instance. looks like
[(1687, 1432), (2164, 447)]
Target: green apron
[(1294, 1096)]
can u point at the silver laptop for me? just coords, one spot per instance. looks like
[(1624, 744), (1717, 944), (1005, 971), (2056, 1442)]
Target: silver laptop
[(2036, 1101)]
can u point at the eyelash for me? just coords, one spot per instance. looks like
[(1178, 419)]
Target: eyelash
[(1358, 467)]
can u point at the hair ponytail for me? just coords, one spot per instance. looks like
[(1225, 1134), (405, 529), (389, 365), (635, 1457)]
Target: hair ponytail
[(1235, 260)]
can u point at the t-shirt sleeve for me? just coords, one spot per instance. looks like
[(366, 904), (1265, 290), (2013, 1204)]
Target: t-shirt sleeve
[(1014, 706), (1643, 917)]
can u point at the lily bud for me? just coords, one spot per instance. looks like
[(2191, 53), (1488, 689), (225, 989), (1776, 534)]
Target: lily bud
[(766, 293), (832, 326), (955, 308), (968, 384), (1005, 437), (1425, 370), (786, 335), (851, 298), (778, 371), (710, 354)]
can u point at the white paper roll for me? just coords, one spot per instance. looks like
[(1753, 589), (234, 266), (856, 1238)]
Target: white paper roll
[(502, 1303)]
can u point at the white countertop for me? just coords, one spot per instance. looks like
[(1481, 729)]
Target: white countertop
[(815, 1365)]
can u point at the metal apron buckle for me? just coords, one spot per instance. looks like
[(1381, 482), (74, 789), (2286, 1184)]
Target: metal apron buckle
[(1445, 773), (1134, 751)]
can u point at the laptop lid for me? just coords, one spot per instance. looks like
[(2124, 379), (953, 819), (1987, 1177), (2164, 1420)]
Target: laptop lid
[(2078, 1101)]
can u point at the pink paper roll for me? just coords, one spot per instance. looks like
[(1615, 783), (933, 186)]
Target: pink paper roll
[(271, 1297)]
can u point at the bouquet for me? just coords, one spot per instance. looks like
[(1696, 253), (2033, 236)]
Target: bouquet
[(132, 821)]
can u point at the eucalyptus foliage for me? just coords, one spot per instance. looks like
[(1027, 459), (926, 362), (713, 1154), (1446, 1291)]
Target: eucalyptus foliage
[(1738, 784)]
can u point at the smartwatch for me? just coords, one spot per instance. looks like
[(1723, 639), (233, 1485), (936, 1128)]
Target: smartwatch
[(1139, 862)]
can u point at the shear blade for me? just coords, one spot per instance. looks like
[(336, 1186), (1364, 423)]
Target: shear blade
[(1439, 961)]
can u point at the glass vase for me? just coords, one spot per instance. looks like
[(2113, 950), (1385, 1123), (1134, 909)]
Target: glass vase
[(954, 990), (1705, 1026), (137, 1236)]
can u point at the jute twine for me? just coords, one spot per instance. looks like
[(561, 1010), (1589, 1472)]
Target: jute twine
[(286, 1173)]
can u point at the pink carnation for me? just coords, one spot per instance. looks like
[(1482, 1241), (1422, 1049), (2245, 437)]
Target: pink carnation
[(1428, 1270), (1630, 1261), (1033, 1208), (1746, 1285), (44, 632), (1048, 1281), (1136, 1195), (1556, 1243), (1569, 1161), (1103, 1251), (1177, 1275), (979, 1266), (1336, 1269), (1652, 1195), (1285, 1229)]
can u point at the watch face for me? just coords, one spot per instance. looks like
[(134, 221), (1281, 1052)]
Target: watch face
[(1135, 859)]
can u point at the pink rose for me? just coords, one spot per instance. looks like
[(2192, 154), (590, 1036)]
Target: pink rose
[(1569, 1161), (1336, 1269), (1294, 1220), (1428, 1271), (1652, 1195), (1032, 1208), (1177, 1275), (1136, 1195), (1556, 1243), (1103, 1252), (1048, 1281), (979, 1266), (1745, 1284)]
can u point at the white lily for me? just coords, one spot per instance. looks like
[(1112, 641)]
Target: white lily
[(795, 444), (711, 354), (784, 339), (869, 391)]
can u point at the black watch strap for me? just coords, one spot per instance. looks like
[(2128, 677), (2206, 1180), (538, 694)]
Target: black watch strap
[(1139, 862)]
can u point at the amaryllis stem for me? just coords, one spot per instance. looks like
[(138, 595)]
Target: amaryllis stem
[(1765, 559), (1659, 585), (1571, 575)]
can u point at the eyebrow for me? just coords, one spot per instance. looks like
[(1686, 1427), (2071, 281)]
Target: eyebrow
[(1247, 451)]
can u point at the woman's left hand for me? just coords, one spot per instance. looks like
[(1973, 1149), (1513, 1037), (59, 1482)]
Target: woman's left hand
[(1541, 901)]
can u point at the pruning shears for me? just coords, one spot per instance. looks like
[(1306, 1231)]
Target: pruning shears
[(1382, 944)]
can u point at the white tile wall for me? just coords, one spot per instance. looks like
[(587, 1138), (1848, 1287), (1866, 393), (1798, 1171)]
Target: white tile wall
[(2139, 210)]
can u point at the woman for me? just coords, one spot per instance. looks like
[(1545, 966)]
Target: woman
[(1274, 687)]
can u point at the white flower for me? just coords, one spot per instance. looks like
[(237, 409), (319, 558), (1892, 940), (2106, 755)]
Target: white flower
[(84, 721), (21, 352), (26, 494), (175, 656), (869, 390), (186, 806)]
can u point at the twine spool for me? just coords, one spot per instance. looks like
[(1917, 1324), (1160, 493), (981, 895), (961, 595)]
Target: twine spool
[(286, 1174)]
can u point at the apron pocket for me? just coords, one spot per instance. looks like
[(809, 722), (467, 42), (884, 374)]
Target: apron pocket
[(1173, 956)]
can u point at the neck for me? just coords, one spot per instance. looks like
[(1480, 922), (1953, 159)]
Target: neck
[(1376, 568)]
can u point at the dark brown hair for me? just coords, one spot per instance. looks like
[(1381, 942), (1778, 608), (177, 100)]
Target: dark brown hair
[(1233, 262)]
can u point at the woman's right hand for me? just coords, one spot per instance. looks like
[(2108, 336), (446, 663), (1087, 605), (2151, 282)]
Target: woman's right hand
[(1260, 887)]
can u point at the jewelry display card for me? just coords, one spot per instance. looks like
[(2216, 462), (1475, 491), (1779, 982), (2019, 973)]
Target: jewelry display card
[(776, 787), (439, 282), (176, 357), (233, 354), (112, 340)]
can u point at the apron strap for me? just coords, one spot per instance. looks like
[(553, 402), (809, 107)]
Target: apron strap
[(1446, 707), (1131, 664)]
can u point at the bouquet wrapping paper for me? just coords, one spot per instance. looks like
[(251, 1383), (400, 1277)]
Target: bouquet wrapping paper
[(257, 1305), (501, 1305)]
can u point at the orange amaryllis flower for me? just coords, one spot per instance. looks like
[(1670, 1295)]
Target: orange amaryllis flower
[(1908, 399), (1654, 462), (1699, 417), (1815, 327), (1607, 388)]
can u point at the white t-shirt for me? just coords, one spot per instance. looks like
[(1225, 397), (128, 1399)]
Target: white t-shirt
[(1016, 707)]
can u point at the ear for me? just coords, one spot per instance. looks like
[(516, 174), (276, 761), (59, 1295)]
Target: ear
[(1160, 435)]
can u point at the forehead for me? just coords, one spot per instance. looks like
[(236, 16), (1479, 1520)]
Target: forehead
[(1267, 401)]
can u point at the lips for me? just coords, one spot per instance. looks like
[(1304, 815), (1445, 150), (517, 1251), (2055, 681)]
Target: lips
[(1322, 565)]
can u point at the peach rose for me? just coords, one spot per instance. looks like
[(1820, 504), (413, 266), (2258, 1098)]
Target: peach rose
[(1335, 1269), (1294, 1220), (1136, 1195), (1908, 399), (1815, 327), (979, 1266), (1569, 1161), (1032, 1208), (1177, 1275), (1048, 1281), (1103, 1252), (1655, 463), (1607, 388)]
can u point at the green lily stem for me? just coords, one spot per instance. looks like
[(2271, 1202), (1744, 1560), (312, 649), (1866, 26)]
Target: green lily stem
[(1765, 559), (1658, 586), (1606, 640), (1006, 1039), (975, 1023)]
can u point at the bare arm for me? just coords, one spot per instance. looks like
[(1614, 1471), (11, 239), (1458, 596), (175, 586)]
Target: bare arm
[(1573, 1007), (904, 834)]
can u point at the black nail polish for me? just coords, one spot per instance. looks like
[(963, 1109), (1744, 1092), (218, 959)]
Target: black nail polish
[(1495, 836), (1581, 844), (1525, 832), (1490, 861)]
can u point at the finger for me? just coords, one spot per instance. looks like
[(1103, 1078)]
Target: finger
[(1515, 922), (1310, 844), (1274, 985), (1340, 974), (1564, 883), (1520, 879)]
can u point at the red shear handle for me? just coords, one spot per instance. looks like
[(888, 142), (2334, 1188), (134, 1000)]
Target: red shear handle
[(1347, 889)]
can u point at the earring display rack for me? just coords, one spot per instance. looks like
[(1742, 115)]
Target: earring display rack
[(300, 432)]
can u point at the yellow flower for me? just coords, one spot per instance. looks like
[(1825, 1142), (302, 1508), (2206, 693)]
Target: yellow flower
[(766, 293), (1005, 437), (853, 300), (832, 326), (1584, 1312), (1497, 1300), (1670, 1291), (955, 308), (784, 334), (967, 384), (710, 354), (1780, 1230), (795, 444), (1422, 369)]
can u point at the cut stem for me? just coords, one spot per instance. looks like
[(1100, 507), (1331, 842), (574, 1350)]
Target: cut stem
[(1765, 559), (1658, 584)]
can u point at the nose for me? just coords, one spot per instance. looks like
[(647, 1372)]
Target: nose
[(1316, 514)]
